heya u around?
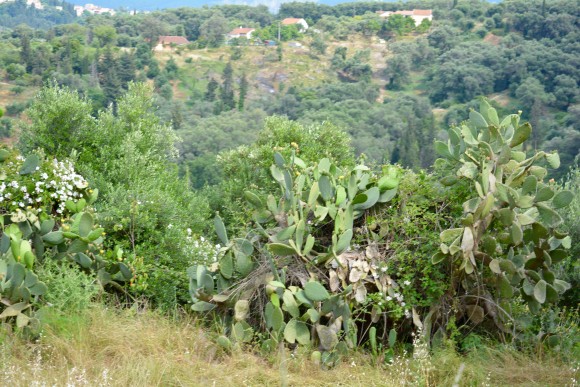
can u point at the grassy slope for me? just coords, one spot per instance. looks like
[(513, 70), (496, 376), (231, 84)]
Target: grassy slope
[(264, 72), (108, 347)]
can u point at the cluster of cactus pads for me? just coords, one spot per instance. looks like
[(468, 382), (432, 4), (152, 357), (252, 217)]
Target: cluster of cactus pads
[(300, 273), (29, 236), (508, 234), (300, 238)]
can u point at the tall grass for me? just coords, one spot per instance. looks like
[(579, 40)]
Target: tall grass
[(107, 347)]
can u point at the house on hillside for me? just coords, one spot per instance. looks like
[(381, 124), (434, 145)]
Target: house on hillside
[(240, 33), (302, 25), (418, 15), (165, 42)]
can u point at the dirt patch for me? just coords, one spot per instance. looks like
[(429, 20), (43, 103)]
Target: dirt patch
[(502, 99), (492, 39)]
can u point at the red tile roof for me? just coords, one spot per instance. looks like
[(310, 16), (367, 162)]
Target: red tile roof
[(241, 31), (291, 20), (422, 12), (173, 39), (415, 12)]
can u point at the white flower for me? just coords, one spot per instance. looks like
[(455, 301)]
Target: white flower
[(389, 298), (407, 283)]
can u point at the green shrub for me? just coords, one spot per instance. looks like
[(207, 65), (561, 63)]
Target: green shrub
[(129, 155), (247, 167), (70, 290)]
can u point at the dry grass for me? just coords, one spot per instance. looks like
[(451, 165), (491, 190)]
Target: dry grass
[(7, 96), (111, 348)]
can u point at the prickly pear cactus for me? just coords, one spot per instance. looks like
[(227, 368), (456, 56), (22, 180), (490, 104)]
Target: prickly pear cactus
[(301, 237), (509, 230)]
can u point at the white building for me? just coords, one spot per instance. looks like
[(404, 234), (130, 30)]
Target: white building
[(31, 3), (241, 33), (418, 15), (302, 25), (93, 9)]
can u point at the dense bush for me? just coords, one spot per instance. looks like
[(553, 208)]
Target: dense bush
[(128, 155)]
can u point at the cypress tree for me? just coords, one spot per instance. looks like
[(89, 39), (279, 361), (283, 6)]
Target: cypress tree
[(227, 89), (243, 92)]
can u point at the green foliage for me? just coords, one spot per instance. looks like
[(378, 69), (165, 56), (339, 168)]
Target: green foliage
[(569, 268), (287, 32), (70, 289), (509, 236), (353, 69), (60, 120), (127, 155), (248, 166), (400, 24)]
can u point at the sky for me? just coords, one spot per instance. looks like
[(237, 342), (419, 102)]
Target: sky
[(156, 4)]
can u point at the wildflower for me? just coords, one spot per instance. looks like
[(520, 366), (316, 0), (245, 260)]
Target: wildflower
[(407, 283)]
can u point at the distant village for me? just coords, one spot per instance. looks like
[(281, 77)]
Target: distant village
[(93, 9), (169, 42), (418, 15), (79, 9)]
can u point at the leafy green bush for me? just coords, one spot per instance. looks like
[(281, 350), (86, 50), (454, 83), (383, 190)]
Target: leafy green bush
[(569, 269), (38, 184), (247, 167), (70, 290), (128, 155)]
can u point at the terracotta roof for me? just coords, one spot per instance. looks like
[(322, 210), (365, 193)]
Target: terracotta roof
[(291, 20), (415, 12), (404, 13), (241, 31), (423, 12), (173, 39)]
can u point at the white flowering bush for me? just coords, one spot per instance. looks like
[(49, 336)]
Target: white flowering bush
[(199, 250), (37, 184)]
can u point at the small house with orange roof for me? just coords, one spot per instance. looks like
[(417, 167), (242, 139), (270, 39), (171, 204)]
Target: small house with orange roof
[(170, 41), (241, 33), (302, 25), (418, 15)]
